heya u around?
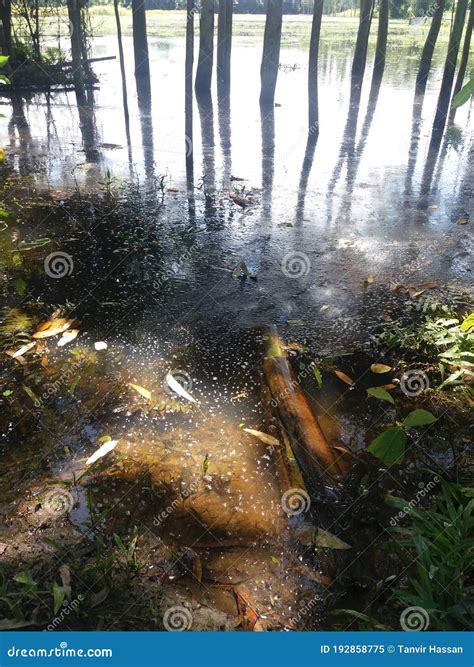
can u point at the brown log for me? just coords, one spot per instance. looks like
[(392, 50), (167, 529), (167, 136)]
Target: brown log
[(309, 445)]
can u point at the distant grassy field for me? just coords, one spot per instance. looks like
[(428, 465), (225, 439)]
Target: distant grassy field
[(296, 28)]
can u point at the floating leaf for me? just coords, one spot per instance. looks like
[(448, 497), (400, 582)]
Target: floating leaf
[(141, 390), (102, 451), (369, 280), (53, 327), (22, 350), (345, 378), (327, 540), (317, 375), (263, 437), (380, 368), (67, 337), (389, 446), (419, 418), (380, 393), (325, 307), (275, 560), (174, 385), (463, 220), (100, 345)]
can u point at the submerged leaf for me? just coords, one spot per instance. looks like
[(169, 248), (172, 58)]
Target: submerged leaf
[(419, 418), (380, 368), (141, 390), (102, 451), (380, 393), (327, 540), (263, 437), (67, 337), (345, 378), (174, 385)]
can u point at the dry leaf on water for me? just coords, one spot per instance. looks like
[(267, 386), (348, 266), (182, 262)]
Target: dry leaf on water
[(67, 337), (380, 368), (21, 351), (174, 385), (141, 390), (344, 377), (54, 327), (263, 437), (102, 451), (100, 345)]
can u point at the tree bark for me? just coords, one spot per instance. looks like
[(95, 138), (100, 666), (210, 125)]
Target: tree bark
[(206, 48), (450, 66), (313, 110), (381, 46), (465, 53), (188, 94), (122, 62), (6, 27), (140, 40), (271, 51), (74, 15), (360, 53), (224, 42), (428, 49)]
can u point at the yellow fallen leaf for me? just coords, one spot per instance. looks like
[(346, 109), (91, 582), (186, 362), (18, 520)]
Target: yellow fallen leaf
[(433, 206), (53, 327), (141, 390), (369, 280), (380, 368), (462, 220), (263, 437), (345, 378)]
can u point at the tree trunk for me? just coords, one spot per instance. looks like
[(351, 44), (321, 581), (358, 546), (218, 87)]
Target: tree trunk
[(381, 46), (140, 40), (465, 54), (428, 49), (206, 48), (74, 15), (224, 42), (188, 92), (6, 27), (122, 62), (450, 66), (360, 53), (313, 111), (271, 51)]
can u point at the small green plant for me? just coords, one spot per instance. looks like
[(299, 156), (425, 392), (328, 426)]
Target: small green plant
[(436, 551), (390, 445)]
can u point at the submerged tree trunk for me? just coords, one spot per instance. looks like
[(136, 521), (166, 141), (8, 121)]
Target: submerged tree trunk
[(6, 27), (224, 42), (428, 49), (465, 54), (140, 40), (271, 51), (74, 15), (381, 46), (313, 111), (360, 53), (122, 62), (450, 66), (188, 95), (206, 48)]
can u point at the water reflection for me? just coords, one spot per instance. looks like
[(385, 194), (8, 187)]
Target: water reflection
[(267, 121), (146, 125)]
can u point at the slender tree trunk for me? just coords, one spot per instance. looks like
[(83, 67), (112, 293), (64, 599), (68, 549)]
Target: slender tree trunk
[(313, 111), (122, 63), (428, 49), (6, 27), (381, 46), (188, 91), (450, 66), (271, 51), (465, 53), (360, 53), (74, 15), (224, 42), (206, 48), (140, 40)]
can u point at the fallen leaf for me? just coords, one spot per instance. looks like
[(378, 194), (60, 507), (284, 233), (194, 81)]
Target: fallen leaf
[(67, 337), (369, 280), (174, 385), (21, 351), (100, 345), (102, 451), (345, 378), (380, 368), (380, 393), (327, 540), (173, 189), (462, 221), (433, 206), (325, 307), (141, 390), (263, 437), (54, 327)]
